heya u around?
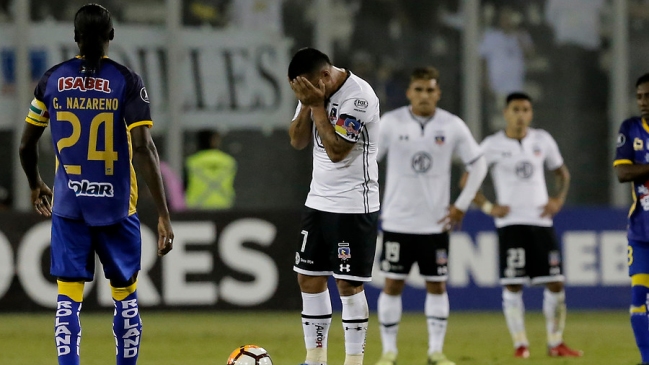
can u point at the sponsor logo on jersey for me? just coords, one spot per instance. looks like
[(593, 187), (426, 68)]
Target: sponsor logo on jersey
[(638, 145), (349, 126), (361, 103), (94, 189), (421, 162), (84, 84), (524, 169)]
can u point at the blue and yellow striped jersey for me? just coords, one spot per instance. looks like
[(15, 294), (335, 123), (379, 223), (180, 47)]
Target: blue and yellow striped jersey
[(633, 148), (90, 117)]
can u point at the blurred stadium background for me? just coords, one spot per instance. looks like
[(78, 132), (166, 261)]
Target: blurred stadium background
[(221, 64)]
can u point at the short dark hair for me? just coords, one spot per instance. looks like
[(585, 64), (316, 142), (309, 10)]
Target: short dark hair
[(642, 79), (307, 61), (517, 96), (424, 73), (204, 139)]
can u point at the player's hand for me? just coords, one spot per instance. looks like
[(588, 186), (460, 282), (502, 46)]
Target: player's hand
[(165, 236), (41, 198), (499, 211), (452, 220), (307, 93), (552, 208)]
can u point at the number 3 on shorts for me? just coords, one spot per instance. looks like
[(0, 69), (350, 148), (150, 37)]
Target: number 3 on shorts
[(629, 255)]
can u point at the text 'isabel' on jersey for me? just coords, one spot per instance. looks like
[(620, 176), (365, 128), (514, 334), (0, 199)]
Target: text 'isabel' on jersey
[(90, 117)]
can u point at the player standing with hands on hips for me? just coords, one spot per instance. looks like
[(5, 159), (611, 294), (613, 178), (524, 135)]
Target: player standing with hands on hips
[(420, 141), (339, 113), (529, 250), (631, 165), (98, 112)]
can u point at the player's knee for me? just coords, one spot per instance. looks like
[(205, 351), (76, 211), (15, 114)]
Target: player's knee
[(393, 286), (312, 284), (349, 287), (71, 289), (435, 287), (514, 288), (555, 287)]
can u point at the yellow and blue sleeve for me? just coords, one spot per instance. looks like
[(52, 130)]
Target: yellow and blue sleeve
[(38, 114)]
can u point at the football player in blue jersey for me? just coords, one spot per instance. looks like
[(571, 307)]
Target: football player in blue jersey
[(632, 165), (98, 112)]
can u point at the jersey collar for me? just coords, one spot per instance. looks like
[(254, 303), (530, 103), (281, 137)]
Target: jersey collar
[(645, 126)]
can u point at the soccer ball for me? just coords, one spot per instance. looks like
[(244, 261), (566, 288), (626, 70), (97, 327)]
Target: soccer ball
[(249, 355)]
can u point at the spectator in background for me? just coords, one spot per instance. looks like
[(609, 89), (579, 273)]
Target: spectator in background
[(256, 15), (210, 174), (504, 49), (577, 27)]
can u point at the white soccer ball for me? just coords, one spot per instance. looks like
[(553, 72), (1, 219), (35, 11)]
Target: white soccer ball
[(249, 355)]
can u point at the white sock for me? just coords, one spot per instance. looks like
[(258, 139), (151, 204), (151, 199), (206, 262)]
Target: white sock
[(389, 309), (554, 309), (316, 319), (355, 317), (436, 309), (514, 310)]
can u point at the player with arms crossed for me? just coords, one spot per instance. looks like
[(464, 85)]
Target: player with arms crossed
[(339, 113), (98, 112), (523, 215), (420, 141), (631, 166)]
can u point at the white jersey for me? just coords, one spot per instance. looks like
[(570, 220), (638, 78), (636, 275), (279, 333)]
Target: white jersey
[(351, 185), (517, 170), (418, 186)]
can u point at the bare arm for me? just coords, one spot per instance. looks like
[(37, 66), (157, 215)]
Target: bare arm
[(147, 163), (562, 183), (300, 129), (631, 172), (485, 205), (41, 194), (337, 147)]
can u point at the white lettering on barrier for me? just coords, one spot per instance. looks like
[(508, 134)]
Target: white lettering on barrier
[(176, 266), (28, 260), (479, 260), (613, 258), (248, 261), (580, 258), (6, 264)]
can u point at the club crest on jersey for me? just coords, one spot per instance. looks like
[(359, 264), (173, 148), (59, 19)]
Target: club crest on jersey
[(441, 257), (84, 84), (554, 258), (333, 114), (638, 145), (421, 162), (93, 189), (537, 150), (439, 139), (621, 139), (344, 252), (349, 126)]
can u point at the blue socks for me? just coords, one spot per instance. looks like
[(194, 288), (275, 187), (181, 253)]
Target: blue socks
[(639, 319), (67, 330), (127, 325)]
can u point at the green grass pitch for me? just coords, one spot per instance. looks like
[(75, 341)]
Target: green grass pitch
[(207, 338)]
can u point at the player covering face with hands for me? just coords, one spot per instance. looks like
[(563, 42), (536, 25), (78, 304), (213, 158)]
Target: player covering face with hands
[(338, 113), (94, 211)]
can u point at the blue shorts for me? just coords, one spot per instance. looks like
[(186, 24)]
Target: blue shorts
[(638, 257), (74, 244)]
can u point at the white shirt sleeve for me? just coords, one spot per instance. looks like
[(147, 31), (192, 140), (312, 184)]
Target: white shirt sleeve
[(473, 183), (297, 110), (467, 148), (384, 137), (553, 158), (352, 117), (485, 146)]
